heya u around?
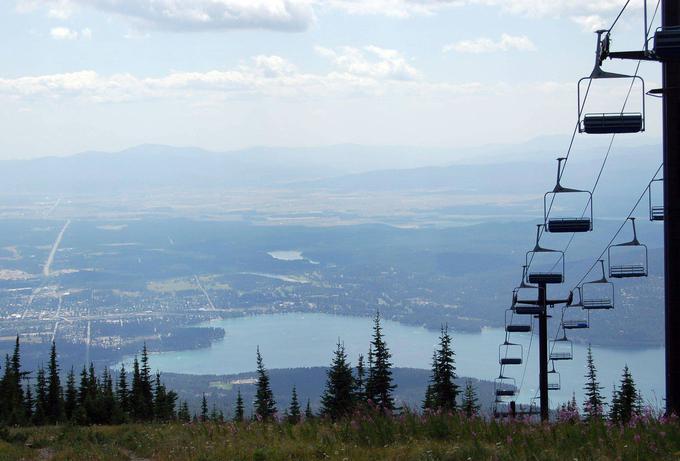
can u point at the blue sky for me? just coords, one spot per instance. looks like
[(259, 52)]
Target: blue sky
[(224, 74)]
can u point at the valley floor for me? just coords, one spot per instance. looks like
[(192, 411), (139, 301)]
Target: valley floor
[(409, 437)]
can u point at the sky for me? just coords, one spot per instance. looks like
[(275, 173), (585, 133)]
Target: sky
[(79, 75)]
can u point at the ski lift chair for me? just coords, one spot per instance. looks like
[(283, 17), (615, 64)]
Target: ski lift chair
[(656, 206), (551, 201), (573, 318), (609, 123), (554, 381), (598, 294), (561, 349), (543, 264), (504, 387), (628, 259), (515, 327), (510, 353), (667, 43)]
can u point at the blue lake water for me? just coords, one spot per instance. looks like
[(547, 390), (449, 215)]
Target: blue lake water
[(304, 340)]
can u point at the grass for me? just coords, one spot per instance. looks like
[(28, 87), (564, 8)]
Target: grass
[(408, 437)]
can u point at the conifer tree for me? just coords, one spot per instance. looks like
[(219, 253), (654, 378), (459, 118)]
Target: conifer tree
[(624, 403), (360, 381), (183, 414), (54, 392), (28, 402), (338, 397), (294, 408), (444, 386), (71, 396), (146, 387), (204, 409), (136, 391), (40, 414), (239, 411), (309, 414), (594, 401), (470, 405), (430, 401), (265, 407), (122, 393), (214, 414), (379, 384)]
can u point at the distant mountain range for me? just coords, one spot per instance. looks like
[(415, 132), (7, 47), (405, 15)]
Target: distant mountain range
[(512, 169)]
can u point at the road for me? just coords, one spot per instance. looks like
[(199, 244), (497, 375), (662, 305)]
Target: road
[(55, 247)]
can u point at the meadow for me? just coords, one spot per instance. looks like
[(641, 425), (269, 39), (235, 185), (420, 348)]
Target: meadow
[(409, 436)]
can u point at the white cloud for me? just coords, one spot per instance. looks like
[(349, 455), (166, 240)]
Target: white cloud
[(487, 45), (63, 33), (590, 23), (297, 15), (366, 72), (371, 61)]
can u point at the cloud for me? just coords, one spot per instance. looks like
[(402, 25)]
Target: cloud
[(366, 72), (63, 33), (590, 23), (371, 61), (487, 45)]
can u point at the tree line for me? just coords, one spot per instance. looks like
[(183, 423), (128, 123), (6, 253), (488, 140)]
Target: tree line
[(86, 398)]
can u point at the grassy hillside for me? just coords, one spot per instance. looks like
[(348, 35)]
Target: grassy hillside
[(409, 437)]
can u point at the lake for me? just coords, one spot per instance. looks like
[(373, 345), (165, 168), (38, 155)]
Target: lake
[(305, 340)]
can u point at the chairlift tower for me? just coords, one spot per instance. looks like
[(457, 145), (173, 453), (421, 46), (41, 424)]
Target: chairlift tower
[(666, 49)]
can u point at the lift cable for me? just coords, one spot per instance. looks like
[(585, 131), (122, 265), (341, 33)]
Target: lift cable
[(619, 16)]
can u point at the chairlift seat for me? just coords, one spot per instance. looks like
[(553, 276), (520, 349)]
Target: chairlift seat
[(546, 277), (528, 310), (612, 123), (594, 304), (656, 213), (561, 355), (570, 225), (505, 392), (628, 271), (554, 386), (667, 43), (574, 324), (511, 361), (518, 328)]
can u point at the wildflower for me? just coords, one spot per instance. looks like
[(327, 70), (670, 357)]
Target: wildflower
[(636, 438), (509, 440)]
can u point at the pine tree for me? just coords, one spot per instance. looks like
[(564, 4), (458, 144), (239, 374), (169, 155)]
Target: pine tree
[(338, 397), (470, 404), (294, 408), (379, 385), (615, 407), (28, 402), (146, 387), (204, 409), (594, 401), (309, 414), (360, 381), (446, 389), (214, 414), (136, 392), (122, 393), (239, 411), (12, 405), (71, 396), (183, 414), (265, 407), (40, 414), (626, 398), (54, 392), (430, 401)]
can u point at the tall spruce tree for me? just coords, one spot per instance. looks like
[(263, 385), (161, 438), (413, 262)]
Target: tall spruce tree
[(445, 388), (146, 386), (71, 396), (122, 392), (338, 398), (265, 406), (470, 405), (624, 402), (55, 402), (430, 401), (293, 411), (379, 386), (204, 409), (309, 414), (239, 411), (360, 381), (183, 414), (40, 413), (593, 405)]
